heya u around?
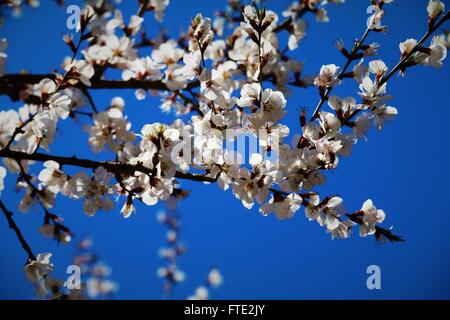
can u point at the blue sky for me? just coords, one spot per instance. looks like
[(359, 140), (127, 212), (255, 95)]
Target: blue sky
[(403, 169)]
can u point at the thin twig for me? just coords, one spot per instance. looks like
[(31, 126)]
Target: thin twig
[(90, 99), (142, 8), (12, 225), (350, 59), (419, 44), (403, 61), (48, 216), (380, 233), (19, 130), (83, 113), (260, 66)]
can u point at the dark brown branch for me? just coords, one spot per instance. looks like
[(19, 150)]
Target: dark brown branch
[(380, 233), (10, 85), (12, 225), (195, 105), (19, 130), (142, 8), (36, 194), (285, 25), (83, 113), (403, 61), (350, 59), (35, 191), (90, 99), (112, 166), (419, 44), (20, 80)]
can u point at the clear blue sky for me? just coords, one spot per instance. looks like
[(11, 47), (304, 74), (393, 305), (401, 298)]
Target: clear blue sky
[(404, 169)]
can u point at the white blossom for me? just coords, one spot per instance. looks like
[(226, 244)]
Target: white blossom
[(167, 53), (201, 293), (53, 178), (382, 114), (144, 68), (254, 185), (297, 33), (371, 217), (2, 177), (110, 129), (283, 207), (327, 214), (39, 268), (9, 120), (330, 123), (345, 105), (82, 70), (378, 68), (437, 55), (273, 105), (98, 286), (215, 278), (192, 64), (251, 16), (434, 9), (95, 190), (362, 124), (407, 46), (249, 94), (328, 76), (372, 92)]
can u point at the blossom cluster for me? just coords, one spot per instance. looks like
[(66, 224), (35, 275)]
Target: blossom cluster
[(234, 72), (94, 282), (94, 272), (171, 252), (38, 272), (213, 280), (230, 75)]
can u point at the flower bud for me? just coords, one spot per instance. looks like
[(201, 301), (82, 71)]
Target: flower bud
[(434, 9)]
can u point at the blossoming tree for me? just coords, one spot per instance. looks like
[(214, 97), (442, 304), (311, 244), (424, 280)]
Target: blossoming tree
[(232, 76)]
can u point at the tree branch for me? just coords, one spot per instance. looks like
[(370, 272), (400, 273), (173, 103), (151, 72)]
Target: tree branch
[(19, 130), (112, 166), (48, 216), (380, 233), (20, 80), (12, 225), (287, 22), (419, 44), (403, 61), (350, 59), (142, 8)]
